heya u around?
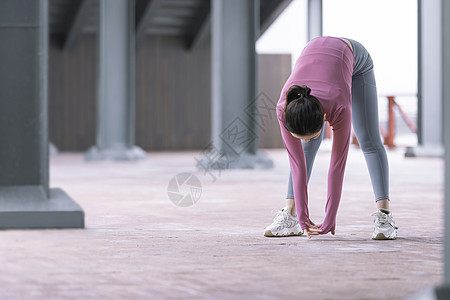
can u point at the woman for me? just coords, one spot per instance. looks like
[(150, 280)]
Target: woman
[(333, 80)]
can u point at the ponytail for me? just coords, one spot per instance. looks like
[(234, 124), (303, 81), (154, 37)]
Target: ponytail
[(297, 92), (303, 112)]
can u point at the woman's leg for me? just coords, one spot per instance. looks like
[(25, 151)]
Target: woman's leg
[(310, 148), (366, 126)]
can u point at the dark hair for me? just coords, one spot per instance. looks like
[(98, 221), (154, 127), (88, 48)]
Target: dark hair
[(303, 113)]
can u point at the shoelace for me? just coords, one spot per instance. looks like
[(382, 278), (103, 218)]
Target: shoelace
[(382, 218), (281, 217)]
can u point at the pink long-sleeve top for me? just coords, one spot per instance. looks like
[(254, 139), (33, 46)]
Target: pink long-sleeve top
[(326, 67)]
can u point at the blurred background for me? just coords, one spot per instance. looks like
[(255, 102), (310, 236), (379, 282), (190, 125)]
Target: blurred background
[(189, 87), (389, 31), (173, 77)]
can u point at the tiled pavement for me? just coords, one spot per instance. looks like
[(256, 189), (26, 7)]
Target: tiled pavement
[(138, 245)]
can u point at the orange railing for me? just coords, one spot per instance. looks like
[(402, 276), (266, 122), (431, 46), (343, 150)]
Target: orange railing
[(389, 135)]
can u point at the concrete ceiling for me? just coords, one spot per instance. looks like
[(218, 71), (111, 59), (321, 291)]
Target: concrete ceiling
[(187, 19)]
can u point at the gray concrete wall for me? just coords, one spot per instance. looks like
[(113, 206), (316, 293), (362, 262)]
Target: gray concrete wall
[(172, 94)]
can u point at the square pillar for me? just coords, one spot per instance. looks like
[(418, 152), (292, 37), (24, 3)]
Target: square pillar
[(430, 117), (234, 116), (446, 129), (315, 22), (26, 201), (443, 13), (116, 83)]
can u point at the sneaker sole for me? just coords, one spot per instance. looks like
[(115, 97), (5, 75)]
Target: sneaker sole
[(269, 233), (381, 236)]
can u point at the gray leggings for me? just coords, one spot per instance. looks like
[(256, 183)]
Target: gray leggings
[(365, 125)]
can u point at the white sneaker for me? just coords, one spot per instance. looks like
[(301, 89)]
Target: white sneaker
[(384, 225), (284, 224)]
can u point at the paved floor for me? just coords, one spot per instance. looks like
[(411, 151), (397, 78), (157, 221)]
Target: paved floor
[(138, 245)]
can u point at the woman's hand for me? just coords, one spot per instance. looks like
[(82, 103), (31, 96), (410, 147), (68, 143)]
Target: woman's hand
[(314, 229)]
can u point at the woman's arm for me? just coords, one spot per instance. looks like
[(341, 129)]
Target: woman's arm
[(339, 153), (298, 169)]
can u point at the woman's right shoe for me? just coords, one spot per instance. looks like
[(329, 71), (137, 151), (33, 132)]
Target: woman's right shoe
[(385, 228), (284, 224)]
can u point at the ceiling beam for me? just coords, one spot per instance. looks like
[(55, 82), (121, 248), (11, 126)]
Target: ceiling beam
[(183, 3), (165, 31), (143, 22), (75, 27), (181, 12), (200, 35), (270, 13), (201, 27)]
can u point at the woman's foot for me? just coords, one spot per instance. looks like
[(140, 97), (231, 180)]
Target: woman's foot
[(284, 224), (385, 228)]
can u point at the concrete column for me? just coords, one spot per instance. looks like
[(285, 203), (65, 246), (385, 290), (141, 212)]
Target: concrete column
[(116, 83), (314, 19), (26, 201), (52, 149), (235, 24), (430, 118), (443, 13), (446, 112)]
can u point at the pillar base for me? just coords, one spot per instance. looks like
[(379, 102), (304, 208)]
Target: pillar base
[(118, 154), (52, 150), (260, 160), (431, 293), (25, 207), (425, 151), (212, 161)]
